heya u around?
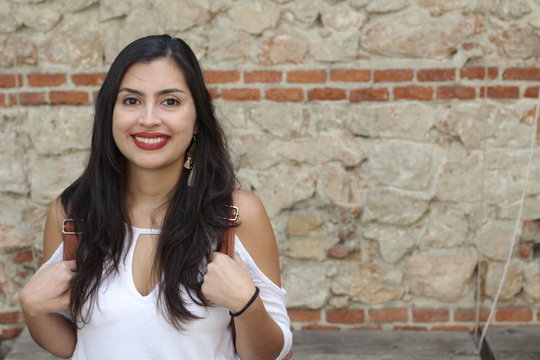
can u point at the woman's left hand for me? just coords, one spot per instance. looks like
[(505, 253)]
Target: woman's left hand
[(227, 282)]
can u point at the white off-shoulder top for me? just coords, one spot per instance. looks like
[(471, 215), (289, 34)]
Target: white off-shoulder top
[(127, 325)]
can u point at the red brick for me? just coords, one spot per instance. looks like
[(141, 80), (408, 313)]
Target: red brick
[(478, 73), (320, 327), (393, 75), (290, 94), (469, 315), (213, 93), (410, 328), (531, 92), (501, 92), (339, 252), (11, 333), (532, 227), (413, 93), (69, 97), (12, 317), (23, 274), (388, 315), (2, 99), (241, 94), (436, 74), (366, 328), (95, 79), (262, 76), (304, 315), (24, 256), (359, 95), (326, 94), (514, 314), (456, 92), (28, 98), (430, 315), (525, 249), (453, 328), (218, 76), (306, 76), (528, 74), (8, 80), (46, 79), (351, 316), (350, 75)]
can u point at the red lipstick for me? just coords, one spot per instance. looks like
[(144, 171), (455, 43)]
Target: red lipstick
[(150, 140)]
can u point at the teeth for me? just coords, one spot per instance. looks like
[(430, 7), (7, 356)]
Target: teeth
[(150, 140)]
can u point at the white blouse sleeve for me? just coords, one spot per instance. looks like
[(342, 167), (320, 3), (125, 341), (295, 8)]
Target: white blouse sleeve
[(272, 296)]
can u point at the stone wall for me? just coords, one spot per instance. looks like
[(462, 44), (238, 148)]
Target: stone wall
[(389, 140)]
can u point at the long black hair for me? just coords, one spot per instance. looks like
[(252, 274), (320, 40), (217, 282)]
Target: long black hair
[(194, 218)]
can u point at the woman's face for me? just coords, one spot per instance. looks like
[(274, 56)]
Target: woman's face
[(154, 117)]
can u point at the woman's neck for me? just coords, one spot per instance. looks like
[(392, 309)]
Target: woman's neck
[(146, 194)]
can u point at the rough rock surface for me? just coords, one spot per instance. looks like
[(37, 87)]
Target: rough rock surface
[(440, 275), (370, 284)]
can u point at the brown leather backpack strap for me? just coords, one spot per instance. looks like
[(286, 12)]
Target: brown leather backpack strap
[(71, 239), (227, 243), (227, 248)]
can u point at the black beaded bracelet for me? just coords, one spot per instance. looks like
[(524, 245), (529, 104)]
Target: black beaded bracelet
[(247, 305)]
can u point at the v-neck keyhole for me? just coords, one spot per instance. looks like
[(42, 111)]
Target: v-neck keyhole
[(142, 260)]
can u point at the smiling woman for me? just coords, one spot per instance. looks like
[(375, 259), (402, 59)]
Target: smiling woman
[(151, 210)]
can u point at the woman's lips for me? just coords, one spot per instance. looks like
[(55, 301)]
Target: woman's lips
[(150, 141)]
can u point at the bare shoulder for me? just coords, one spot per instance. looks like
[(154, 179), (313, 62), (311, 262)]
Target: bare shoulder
[(256, 233), (52, 234), (252, 205)]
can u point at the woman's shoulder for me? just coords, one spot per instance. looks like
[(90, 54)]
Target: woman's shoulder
[(248, 201), (256, 233), (251, 211), (52, 234)]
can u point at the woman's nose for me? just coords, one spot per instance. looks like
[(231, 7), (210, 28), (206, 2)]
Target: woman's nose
[(150, 117)]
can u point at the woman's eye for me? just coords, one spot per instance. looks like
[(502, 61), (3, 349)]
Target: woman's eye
[(130, 101), (171, 102)]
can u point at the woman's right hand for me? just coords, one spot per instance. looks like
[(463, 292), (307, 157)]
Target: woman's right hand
[(48, 290)]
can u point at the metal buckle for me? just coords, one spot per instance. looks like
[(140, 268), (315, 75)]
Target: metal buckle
[(236, 213), (68, 232)]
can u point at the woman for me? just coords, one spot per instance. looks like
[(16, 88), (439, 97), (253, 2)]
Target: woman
[(151, 208)]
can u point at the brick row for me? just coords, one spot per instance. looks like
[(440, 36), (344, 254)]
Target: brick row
[(375, 94), (413, 319), (478, 73), (286, 94), (40, 98)]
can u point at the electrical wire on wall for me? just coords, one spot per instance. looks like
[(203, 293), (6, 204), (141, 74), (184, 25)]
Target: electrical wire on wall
[(515, 234)]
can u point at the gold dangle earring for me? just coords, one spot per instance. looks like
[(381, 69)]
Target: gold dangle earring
[(188, 164)]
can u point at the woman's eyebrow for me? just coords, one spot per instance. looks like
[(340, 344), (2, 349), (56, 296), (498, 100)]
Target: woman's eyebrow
[(161, 92), (130, 91), (168, 91)]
